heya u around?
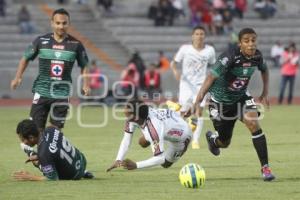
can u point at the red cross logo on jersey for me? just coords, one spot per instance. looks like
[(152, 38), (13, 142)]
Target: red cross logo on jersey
[(57, 69)]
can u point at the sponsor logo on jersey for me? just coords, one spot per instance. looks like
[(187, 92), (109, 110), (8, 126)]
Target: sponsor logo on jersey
[(53, 144), (57, 68), (175, 132), (61, 47), (47, 169), (45, 42), (57, 54), (42, 38), (248, 64), (224, 60)]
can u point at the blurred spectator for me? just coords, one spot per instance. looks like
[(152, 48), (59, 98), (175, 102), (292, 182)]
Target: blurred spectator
[(95, 79), (265, 8), (138, 62), (130, 80), (61, 1), (276, 52), (219, 5), (106, 4), (240, 8), (2, 8), (227, 21), (152, 81), (165, 13), (233, 43), (24, 20), (163, 63), (178, 8), (196, 19), (290, 63), (81, 1), (152, 10), (197, 5), (217, 27), (207, 21)]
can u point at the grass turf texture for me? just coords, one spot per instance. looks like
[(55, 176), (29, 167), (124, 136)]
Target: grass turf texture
[(234, 175)]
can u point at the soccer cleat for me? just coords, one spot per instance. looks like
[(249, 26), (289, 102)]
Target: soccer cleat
[(266, 173), (173, 106), (27, 149), (210, 137), (88, 175), (195, 145)]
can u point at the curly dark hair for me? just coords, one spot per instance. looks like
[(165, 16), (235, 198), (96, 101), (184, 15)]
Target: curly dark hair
[(27, 128)]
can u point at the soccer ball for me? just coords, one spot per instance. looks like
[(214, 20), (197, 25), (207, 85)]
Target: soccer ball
[(192, 176)]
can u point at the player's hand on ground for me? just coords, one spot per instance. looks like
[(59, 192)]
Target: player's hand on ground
[(129, 164), (22, 176), (117, 163), (15, 83)]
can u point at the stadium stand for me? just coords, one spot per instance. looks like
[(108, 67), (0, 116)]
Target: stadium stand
[(129, 29)]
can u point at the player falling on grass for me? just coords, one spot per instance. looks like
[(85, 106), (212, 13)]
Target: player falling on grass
[(195, 58), (227, 84), (159, 127), (57, 53), (56, 157)]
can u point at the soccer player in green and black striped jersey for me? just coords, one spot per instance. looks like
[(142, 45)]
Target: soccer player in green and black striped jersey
[(56, 157), (230, 100), (57, 53)]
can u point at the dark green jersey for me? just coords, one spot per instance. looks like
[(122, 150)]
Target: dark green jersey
[(233, 71), (58, 158), (56, 61)]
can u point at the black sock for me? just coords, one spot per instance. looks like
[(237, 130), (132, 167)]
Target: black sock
[(260, 144)]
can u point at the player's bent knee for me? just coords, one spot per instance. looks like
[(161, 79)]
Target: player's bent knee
[(143, 142)]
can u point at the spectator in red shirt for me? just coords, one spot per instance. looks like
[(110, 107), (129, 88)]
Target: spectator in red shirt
[(290, 63), (152, 81)]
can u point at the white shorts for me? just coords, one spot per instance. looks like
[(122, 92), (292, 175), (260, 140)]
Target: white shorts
[(174, 150), (188, 94)]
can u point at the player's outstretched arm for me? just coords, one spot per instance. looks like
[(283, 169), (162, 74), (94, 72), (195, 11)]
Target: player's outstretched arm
[(264, 95), (26, 176), (175, 71), (85, 87), (18, 78)]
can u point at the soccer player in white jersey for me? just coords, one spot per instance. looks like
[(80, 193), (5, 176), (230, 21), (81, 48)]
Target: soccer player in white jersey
[(159, 127), (194, 59)]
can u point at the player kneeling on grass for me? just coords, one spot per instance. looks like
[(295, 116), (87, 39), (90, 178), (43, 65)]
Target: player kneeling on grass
[(159, 127), (55, 157)]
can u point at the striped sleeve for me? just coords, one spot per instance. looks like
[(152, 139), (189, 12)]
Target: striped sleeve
[(129, 127), (156, 142)]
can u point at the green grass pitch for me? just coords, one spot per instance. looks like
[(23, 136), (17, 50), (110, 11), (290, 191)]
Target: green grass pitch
[(234, 175)]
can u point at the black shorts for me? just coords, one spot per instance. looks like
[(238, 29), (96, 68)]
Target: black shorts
[(224, 116), (57, 108)]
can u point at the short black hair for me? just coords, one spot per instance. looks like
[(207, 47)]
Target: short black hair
[(27, 128), (61, 11), (246, 31), (198, 28), (138, 108)]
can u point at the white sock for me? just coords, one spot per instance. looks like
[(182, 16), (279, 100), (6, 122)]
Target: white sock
[(197, 132)]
